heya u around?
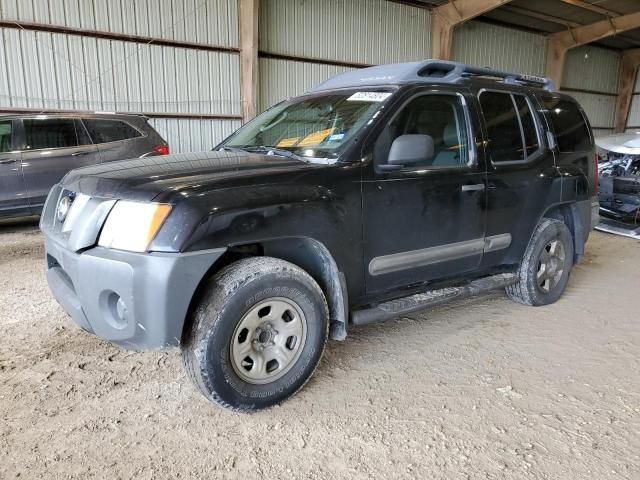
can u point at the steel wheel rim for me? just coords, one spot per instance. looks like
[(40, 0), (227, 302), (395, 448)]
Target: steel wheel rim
[(550, 266), (268, 340)]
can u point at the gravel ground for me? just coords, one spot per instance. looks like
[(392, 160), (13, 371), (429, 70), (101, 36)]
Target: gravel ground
[(483, 388)]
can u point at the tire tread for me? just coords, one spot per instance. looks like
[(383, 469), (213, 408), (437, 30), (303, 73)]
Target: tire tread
[(221, 286), (521, 292)]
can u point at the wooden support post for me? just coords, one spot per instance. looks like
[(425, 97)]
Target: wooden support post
[(628, 72), (248, 19), (559, 43), (446, 17), (556, 54)]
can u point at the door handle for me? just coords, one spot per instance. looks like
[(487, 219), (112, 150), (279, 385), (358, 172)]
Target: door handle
[(473, 188), (79, 154), (7, 161)]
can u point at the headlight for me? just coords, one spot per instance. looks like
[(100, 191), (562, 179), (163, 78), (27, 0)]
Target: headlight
[(132, 225)]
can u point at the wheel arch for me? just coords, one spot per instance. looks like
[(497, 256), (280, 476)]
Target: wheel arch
[(315, 258), (573, 215), (307, 253)]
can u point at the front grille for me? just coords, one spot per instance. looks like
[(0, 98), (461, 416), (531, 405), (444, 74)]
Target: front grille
[(83, 222)]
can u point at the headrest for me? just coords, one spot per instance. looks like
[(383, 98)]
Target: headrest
[(450, 135)]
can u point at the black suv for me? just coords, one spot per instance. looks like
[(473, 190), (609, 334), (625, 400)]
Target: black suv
[(37, 150), (380, 192)]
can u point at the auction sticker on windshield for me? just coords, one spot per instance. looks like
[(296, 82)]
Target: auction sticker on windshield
[(369, 97)]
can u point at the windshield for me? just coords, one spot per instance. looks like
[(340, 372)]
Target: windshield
[(314, 128)]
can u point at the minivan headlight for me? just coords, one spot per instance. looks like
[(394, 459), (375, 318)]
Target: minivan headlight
[(133, 225)]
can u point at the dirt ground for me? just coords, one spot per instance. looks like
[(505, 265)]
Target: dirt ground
[(483, 388)]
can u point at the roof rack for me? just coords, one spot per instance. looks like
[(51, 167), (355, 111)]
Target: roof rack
[(439, 71)]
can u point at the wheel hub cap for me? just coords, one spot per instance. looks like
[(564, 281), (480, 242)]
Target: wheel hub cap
[(268, 340), (550, 266)]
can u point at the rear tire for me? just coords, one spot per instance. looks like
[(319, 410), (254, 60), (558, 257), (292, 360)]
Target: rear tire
[(257, 334), (546, 265)]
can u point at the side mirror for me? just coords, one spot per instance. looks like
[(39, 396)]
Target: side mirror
[(411, 149)]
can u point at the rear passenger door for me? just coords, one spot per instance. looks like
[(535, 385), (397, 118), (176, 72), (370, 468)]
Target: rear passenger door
[(116, 139), (520, 170), (53, 147)]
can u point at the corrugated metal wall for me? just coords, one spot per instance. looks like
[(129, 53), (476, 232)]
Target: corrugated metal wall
[(339, 31), (357, 31), (210, 22), (487, 45), (592, 76), (280, 79), (58, 71), (42, 70), (302, 42), (633, 121), (194, 135), (592, 68), (591, 73)]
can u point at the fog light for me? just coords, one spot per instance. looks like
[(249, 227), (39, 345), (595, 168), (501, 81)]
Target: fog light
[(116, 313)]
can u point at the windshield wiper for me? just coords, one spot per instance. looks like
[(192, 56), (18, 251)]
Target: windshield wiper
[(232, 149), (280, 152), (275, 151)]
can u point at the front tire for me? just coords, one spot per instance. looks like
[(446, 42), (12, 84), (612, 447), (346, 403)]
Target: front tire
[(257, 334), (546, 265)]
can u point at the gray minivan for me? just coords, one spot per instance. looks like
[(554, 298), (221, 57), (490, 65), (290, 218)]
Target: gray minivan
[(37, 150)]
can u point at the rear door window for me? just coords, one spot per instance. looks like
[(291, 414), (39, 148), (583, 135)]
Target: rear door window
[(50, 133), (572, 133), (503, 127), (105, 131), (5, 136), (529, 131), (511, 126)]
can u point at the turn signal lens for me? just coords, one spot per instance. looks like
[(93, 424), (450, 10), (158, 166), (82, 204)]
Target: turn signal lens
[(132, 225)]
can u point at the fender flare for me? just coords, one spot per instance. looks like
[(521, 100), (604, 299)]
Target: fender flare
[(316, 259)]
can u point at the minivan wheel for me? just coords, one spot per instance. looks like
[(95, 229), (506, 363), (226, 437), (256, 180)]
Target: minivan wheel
[(257, 334), (544, 271)]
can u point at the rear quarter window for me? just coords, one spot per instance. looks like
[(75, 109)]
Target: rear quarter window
[(569, 125), (105, 131)]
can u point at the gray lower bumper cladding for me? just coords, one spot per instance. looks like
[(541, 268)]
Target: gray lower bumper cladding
[(137, 301)]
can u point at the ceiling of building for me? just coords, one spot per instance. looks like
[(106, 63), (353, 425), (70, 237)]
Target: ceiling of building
[(550, 16)]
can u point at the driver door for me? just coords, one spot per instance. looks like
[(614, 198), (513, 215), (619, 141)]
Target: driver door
[(425, 221)]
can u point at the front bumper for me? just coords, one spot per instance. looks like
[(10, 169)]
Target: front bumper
[(138, 301)]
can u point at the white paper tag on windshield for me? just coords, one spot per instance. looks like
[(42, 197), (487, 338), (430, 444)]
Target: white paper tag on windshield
[(369, 97)]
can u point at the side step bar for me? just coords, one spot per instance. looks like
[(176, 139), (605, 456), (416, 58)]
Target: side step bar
[(419, 301)]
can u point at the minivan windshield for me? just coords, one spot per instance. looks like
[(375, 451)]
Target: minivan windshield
[(312, 128)]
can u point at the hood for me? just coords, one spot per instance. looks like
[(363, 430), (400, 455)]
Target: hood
[(143, 179), (625, 143)]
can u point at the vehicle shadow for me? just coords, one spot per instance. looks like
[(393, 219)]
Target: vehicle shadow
[(19, 225)]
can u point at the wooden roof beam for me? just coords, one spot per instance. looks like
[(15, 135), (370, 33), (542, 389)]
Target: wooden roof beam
[(592, 7), (446, 17), (628, 71), (559, 43)]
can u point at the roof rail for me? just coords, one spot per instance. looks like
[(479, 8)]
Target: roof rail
[(439, 71)]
